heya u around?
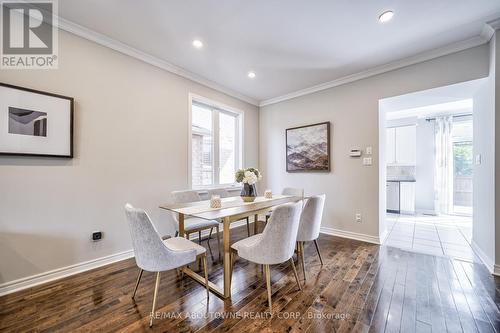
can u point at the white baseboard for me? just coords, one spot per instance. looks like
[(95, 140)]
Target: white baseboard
[(487, 261), (350, 235), (59, 273)]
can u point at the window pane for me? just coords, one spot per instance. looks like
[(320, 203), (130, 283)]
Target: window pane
[(462, 165), (202, 146), (227, 148)]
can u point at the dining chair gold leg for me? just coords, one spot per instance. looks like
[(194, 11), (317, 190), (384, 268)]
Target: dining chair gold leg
[(302, 254), (256, 224), (295, 273), (231, 257), (319, 253), (268, 285), (157, 284), (218, 240), (205, 267), (137, 283), (248, 226)]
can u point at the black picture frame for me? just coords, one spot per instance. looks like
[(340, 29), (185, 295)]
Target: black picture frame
[(323, 158), (71, 124)]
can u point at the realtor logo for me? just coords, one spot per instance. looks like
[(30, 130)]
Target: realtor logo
[(29, 35)]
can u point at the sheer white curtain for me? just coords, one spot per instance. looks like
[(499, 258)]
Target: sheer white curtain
[(443, 180)]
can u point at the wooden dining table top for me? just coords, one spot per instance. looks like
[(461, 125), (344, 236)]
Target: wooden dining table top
[(230, 206)]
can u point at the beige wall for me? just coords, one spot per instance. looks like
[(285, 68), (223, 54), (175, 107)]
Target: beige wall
[(131, 128), (353, 110)]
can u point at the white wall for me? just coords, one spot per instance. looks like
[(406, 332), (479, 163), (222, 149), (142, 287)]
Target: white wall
[(483, 231), (131, 127), (495, 68), (353, 110)]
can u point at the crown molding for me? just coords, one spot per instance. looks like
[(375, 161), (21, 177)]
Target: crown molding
[(421, 57), (116, 45), (495, 24), (489, 29)]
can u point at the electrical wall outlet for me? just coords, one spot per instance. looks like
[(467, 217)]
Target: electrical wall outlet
[(369, 150), (96, 236), (367, 161), (358, 217)]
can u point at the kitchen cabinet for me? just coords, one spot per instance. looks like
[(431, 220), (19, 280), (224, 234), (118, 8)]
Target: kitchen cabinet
[(407, 197), (390, 145), (401, 197), (401, 145), (393, 197)]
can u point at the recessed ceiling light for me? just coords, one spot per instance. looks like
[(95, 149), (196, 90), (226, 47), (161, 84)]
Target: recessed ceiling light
[(251, 74), (197, 43), (386, 16)]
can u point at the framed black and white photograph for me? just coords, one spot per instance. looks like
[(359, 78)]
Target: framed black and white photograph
[(35, 123), (308, 148)]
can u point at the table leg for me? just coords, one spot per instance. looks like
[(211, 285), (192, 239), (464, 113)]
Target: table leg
[(181, 225), (255, 226), (227, 259)]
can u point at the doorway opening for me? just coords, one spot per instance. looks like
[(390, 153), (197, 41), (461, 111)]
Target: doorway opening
[(426, 171)]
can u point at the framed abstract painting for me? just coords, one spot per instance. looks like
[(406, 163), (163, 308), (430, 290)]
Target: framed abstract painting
[(308, 148), (35, 123)]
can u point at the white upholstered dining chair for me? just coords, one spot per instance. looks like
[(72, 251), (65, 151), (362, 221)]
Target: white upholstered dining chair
[(152, 254), (223, 193), (310, 223), (193, 224), (275, 245), (296, 192)]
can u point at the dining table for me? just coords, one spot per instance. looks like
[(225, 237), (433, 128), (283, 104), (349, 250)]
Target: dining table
[(232, 209)]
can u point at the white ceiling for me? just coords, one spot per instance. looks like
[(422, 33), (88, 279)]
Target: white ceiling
[(290, 44)]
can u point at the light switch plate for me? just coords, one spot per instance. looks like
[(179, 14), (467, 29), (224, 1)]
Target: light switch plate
[(367, 161), (477, 159)]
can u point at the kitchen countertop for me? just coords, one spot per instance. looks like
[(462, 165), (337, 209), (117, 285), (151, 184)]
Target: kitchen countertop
[(402, 180)]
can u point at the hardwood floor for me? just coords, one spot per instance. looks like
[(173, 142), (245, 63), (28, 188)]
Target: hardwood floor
[(361, 288)]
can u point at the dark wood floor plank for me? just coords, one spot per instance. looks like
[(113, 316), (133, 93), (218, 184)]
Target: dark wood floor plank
[(379, 320), (395, 313), (409, 315), (360, 288)]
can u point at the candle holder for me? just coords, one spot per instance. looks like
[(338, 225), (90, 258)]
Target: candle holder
[(215, 201)]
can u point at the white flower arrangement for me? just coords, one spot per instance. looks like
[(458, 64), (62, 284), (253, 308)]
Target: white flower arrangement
[(248, 176)]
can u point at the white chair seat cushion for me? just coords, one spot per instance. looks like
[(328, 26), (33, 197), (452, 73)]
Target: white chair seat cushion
[(182, 244), (193, 223)]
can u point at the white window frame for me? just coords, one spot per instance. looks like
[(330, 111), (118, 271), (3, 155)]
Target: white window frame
[(215, 125)]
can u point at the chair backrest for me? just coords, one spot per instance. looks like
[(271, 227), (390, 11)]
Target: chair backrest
[(150, 252), (185, 196), (222, 192), (277, 243), (296, 192), (310, 218)]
